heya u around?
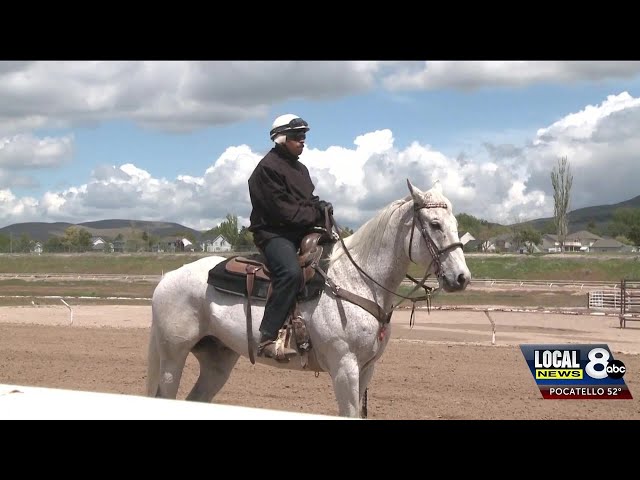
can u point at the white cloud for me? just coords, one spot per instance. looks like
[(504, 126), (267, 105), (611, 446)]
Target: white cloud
[(477, 74), (505, 180), (183, 96), (512, 185), (25, 151), (168, 95), (583, 124)]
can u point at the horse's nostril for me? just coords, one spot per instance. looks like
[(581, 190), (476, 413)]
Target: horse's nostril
[(462, 280)]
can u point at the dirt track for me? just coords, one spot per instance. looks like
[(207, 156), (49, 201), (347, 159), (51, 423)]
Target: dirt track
[(443, 368)]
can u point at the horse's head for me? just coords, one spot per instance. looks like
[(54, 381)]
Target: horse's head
[(432, 239)]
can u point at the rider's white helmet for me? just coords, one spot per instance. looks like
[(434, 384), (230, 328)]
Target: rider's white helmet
[(288, 123)]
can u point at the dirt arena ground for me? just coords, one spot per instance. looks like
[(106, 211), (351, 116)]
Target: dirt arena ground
[(445, 367)]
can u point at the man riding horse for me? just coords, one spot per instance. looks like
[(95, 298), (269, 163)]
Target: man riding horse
[(284, 210)]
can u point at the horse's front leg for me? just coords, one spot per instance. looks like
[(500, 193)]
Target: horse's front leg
[(345, 376), (366, 373)]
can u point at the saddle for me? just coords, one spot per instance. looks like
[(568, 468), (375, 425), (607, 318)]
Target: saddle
[(249, 277)]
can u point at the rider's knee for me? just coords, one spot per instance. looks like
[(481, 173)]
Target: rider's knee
[(293, 273)]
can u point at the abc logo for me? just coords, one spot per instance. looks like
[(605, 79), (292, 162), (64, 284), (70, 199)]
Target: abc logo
[(599, 357), (615, 369)]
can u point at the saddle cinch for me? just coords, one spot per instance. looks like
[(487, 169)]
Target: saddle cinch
[(249, 277)]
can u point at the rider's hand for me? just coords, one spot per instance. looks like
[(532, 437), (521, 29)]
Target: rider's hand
[(322, 204)]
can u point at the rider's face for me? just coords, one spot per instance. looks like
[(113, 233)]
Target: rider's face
[(295, 143)]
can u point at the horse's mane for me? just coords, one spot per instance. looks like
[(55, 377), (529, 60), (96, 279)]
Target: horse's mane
[(368, 237)]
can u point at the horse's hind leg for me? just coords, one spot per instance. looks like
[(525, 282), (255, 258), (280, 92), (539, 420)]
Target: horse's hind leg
[(216, 362), (153, 365), (171, 360)]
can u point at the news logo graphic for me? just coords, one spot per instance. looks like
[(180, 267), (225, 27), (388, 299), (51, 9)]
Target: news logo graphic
[(576, 371)]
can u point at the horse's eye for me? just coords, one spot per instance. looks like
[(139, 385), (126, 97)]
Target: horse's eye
[(435, 225)]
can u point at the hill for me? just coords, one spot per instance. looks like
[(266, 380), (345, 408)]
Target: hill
[(579, 219), (41, 231)]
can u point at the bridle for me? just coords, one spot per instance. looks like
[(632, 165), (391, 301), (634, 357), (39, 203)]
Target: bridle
[(383, 316), (431, 245)]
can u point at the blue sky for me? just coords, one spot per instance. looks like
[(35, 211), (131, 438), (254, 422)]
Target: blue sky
[(176, 141)]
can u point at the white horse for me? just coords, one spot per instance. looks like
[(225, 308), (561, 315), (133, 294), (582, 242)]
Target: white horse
[(190, 316)]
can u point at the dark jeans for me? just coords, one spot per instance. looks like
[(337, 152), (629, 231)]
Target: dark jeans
[(286, 276)]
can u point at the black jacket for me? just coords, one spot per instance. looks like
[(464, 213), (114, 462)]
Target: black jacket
[(282, 198)]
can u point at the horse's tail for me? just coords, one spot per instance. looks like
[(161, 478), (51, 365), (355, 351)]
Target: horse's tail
[(153, 364)]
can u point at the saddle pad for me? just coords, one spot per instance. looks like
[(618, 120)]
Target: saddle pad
[(236, 283)]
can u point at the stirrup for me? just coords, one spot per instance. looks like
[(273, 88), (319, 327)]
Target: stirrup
[(272, 349)]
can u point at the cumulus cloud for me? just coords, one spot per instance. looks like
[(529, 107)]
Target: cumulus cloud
[(600, 144), (22, 153), (510, 183), (26, 151), (502, 182)]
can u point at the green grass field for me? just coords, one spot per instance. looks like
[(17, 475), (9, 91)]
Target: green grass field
[(582, 267)]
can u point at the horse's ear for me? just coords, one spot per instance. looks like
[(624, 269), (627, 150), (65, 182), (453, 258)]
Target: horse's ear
[(437, 186), (416, 193)]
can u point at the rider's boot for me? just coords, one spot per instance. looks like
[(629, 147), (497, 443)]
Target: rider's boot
[(268, 347)]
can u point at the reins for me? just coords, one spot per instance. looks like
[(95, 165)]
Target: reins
[(371, 306)]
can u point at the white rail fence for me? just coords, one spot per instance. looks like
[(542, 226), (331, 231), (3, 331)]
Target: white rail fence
[(497, 282), (605, 299), (630, 309), (485, 282)]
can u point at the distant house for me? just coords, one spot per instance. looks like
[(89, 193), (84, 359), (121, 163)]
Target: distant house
[(37, 248), (581, 241), (182, 245), (467, 237), (218, 244), (607, 245), (501, 243), (472, 246), (550, 243), (98, 244)]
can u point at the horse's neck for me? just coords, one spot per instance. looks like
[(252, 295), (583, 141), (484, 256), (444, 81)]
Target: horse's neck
[(385, 262)]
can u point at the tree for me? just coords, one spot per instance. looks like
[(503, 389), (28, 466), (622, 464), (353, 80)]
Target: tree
[(76, 239), (54, 244), (561, 180), (345, 232), (548, 227), (593, 228), (634, 234), (24, 244), (245, 240), (471, 224), (626, 223), (229, 229), (5, 243), (528, 236), (152, 240)]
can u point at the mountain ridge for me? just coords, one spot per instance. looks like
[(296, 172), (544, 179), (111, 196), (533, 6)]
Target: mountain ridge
[(579, 219), (110, 228)]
